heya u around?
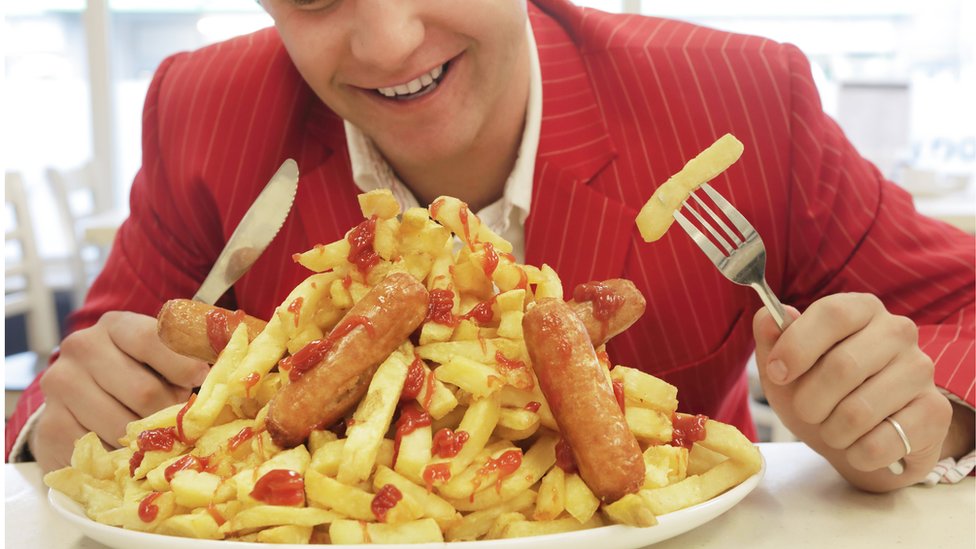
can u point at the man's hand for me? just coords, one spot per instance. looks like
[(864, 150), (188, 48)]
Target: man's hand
[(838, 371), (106, 376)]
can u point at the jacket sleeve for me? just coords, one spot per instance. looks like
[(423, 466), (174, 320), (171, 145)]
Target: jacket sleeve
[(156, 253), (851, 230)]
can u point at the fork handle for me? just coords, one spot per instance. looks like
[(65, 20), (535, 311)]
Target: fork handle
[(773, 304)]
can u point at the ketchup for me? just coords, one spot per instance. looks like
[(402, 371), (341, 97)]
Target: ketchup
[(250, 380), (412, 417), (186, 463), (564, 456), (153, 439), (179, 418), (361, 252), (311, 354), (618, 393), (385, 499), (463, 216), (448, 443), (220, 327), (295, 308), (686, 430), (416, 376), (436, 472), (280, 487), (148, 511), (505, 464), (241, 437), (605, 302), (481, 312), (435, 207), (218, 518), (439, 305), (509, 363), (490, 262), (533, 406)]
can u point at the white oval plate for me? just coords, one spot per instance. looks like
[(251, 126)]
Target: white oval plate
[(606, 537)]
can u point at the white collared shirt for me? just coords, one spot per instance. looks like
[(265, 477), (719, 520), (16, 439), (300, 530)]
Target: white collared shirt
[(506, 216)]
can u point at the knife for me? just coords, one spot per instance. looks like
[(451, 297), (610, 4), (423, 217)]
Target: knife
[(256, 230)]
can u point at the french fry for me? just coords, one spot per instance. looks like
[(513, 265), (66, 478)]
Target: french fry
[(527, 528), (535, 463), (631, 510), (476, 525), (552, 495), (478, 379), (433, 505), (355, 532), (580, 501), (655, 217), (645, 390), (372, 420), (263, 516)]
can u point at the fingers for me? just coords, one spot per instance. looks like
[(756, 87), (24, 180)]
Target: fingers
[(53, 437), (843, 369), (924, 421), (825, 323), (91, 355), (135, 335), (867, 404), (767, 333), (99, 412)]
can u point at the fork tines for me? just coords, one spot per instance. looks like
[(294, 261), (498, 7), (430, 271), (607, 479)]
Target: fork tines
[(724, 235)]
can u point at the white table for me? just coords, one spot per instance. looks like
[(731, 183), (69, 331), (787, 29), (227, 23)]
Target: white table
[(801, 502)]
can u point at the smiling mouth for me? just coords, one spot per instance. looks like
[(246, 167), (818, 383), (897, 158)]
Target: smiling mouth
[(418, 87)]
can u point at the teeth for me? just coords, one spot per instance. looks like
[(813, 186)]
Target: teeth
[(415, 85)]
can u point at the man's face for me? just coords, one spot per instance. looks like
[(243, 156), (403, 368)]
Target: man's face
[(425, 79)]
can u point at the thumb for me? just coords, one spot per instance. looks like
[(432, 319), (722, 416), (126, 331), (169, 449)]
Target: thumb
[(767, 333)]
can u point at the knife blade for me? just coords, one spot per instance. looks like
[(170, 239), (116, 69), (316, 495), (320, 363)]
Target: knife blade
[(255, 231)]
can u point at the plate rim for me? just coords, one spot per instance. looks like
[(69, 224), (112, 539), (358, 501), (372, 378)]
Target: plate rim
[(673, 526)]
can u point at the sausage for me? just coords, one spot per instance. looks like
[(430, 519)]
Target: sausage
[(188, 327), (582, 400), (336, 371), (199, 330), (607, 308)]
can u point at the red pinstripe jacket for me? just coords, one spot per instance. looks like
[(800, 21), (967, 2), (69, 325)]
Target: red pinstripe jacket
[(626, 101)]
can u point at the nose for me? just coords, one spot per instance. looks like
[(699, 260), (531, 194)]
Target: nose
[(386, 32)]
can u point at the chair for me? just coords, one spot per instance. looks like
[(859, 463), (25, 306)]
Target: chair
[(25, 292), (78, 199)]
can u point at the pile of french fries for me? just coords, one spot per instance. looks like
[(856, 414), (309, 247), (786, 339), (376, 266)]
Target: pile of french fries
[(478, 388)]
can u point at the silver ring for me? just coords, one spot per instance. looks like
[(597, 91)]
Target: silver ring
[(901, 433)]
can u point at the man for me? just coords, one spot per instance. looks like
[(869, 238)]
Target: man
[(576, 122)]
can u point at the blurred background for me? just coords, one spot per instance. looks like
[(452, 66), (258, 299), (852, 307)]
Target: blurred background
[(898, 75)]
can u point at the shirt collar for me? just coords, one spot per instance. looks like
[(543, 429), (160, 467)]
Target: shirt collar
[(370, 171)]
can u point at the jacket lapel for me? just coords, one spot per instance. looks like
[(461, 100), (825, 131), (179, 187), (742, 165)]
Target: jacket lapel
[(574, 227)]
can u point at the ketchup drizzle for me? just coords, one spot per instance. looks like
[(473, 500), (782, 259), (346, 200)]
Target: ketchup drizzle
[(687, 430), (361, 252), (220, 327), (447, 443), (280, 487), (412, 417), (147, 510), (311, 354), (440, 303), (385, 499)]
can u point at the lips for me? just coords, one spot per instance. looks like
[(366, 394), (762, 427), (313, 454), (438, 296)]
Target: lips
[(418, 87)]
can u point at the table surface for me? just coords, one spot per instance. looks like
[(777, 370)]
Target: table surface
[(801, 502)]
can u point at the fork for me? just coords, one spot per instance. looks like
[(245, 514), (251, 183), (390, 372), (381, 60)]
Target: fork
[(744, 258)]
